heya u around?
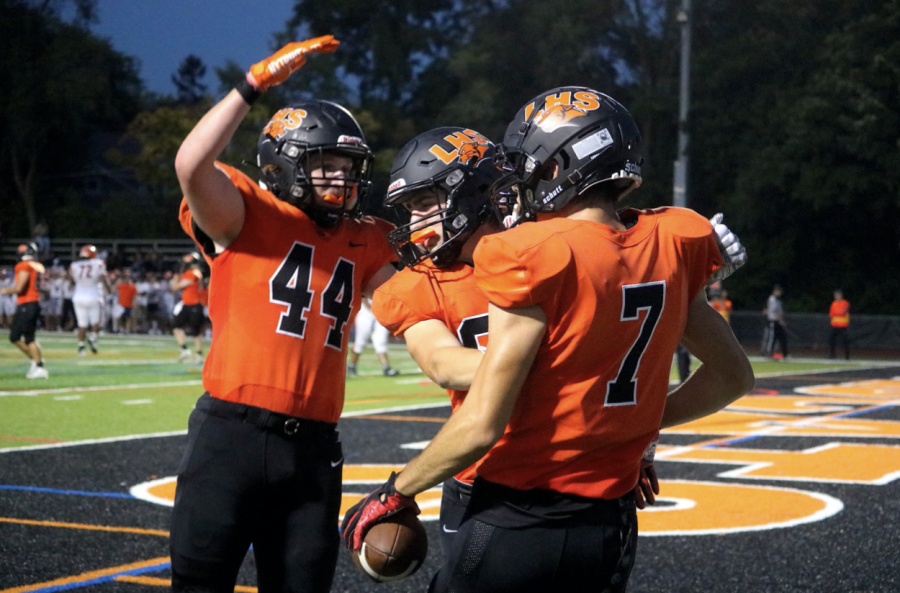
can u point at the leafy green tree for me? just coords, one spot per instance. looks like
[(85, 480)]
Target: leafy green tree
[(188, 80), (65, 89), (797, 126)]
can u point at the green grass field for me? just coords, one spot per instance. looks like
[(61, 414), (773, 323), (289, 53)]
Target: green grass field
[(135, 387)]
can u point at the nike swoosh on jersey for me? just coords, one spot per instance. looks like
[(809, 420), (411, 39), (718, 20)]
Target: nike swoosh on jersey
[(337, 463), (444, 527)]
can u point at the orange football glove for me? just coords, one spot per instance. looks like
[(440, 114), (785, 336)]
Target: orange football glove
[(278, 67)]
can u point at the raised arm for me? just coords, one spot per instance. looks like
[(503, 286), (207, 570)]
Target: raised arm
[(216, 205)]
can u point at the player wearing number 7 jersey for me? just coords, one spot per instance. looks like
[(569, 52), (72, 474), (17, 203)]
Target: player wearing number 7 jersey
[(586, 308), (289, 262)]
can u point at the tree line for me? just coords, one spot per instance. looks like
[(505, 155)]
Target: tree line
[(794, 123)]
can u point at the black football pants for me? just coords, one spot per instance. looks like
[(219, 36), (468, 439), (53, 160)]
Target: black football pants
[(599, 551), (250, 476)]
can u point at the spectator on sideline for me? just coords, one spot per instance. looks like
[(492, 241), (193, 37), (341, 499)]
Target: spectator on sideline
[(366, 327), (683, 358), (42, 239), (7, 300), (840, 324), (127, 291), (775, 325), (721, 304)]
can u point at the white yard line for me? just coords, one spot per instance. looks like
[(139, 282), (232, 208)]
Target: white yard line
[(35, 392), (135, 437)]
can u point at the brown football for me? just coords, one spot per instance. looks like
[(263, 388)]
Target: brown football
[(393, 548)]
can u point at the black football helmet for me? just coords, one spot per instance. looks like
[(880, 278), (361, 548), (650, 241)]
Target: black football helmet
[(457, 165), (587, 137), (26, 251), (305, 129)]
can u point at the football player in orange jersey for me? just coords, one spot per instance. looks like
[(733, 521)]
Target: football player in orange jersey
[(189, 310), (442, 179), (586, 309), (289, 262), (434, 303), (28, 309)]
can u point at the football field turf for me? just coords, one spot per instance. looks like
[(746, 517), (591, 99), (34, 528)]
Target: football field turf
[(793, 488)]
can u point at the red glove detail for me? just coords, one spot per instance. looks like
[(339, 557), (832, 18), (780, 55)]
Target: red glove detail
[(278, 67), (381, 503), (648, 485)]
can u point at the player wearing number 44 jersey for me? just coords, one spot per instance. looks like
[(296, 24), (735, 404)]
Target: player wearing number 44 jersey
[(586, 308), (289, 262)]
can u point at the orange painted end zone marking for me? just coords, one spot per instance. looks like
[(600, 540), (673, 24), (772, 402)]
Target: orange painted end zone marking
[(136, 530), (87, 576)]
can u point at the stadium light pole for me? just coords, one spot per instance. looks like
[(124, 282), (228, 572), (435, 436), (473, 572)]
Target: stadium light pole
[(681, 164)]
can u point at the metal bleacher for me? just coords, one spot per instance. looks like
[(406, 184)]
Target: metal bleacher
[(169, 250)]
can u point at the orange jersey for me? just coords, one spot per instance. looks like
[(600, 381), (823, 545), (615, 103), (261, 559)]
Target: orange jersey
[(282, 297), (34, 269), (203, 295), (449, 295), (840, 313), (190, 294), (616, 305), (127, 291), (723, 307)]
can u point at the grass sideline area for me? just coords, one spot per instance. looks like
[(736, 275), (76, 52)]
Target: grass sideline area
[(134, 386)]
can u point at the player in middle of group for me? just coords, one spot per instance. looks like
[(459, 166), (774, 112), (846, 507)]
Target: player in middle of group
[(442, 179), (88, 273)]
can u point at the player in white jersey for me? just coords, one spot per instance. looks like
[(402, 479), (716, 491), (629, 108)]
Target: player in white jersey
[(56, 289), (88, 273), (7, 301), (366, 328)]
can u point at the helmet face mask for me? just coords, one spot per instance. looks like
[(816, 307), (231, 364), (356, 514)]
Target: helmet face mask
[(562, 143), (453, 167), (295, 151)]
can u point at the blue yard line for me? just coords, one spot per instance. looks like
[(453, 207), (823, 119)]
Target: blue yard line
[(729, 442), (103, 579), (70, 492), (733, 441), (866, 411)]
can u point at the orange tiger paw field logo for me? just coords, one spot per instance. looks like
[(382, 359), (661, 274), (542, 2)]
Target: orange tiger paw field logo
[(732, 500)]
